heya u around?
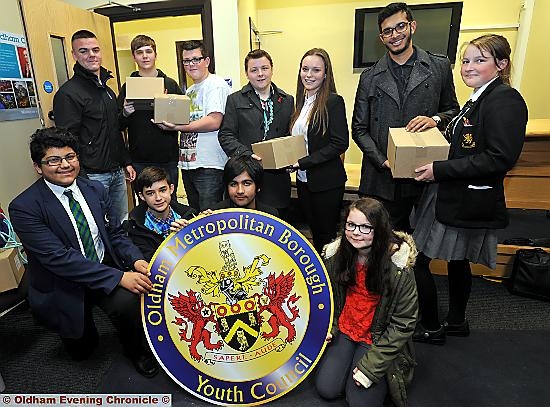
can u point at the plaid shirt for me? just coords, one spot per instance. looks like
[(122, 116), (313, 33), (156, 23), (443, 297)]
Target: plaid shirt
[(160, 226)]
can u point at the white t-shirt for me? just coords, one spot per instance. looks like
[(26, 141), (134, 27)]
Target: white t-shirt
[(202, 150)]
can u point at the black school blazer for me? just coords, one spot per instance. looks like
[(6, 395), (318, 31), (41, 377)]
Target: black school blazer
[(485, 145), (325, 169)]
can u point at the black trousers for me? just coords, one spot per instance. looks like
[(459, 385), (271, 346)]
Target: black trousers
[(123, 309), (322, 211), (400, 208)]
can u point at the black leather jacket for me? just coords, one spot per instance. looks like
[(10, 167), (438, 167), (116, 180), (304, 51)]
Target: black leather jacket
[(87, 107)]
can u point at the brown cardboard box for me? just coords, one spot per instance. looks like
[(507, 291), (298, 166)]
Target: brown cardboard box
[(172, 109), (138, 87), (407, 151), (11, 269), (280, 152)]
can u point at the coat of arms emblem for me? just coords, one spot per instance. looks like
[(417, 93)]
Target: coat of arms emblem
[(239, 315), (239, 309)]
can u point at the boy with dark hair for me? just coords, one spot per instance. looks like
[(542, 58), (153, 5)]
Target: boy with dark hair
[(391, 9), (158, 214), (408, 87), (243, 178), (82, 34), (148, 144), (191, 45), (77, 257), (257, 112)]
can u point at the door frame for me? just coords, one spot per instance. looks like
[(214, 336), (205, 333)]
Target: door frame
[(165, 9)]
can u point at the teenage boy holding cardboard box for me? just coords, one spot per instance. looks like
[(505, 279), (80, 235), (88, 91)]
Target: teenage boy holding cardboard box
[(201, 157), (408, 87), (149, 145)]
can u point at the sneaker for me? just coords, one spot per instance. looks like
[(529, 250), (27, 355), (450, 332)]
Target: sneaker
[(461, 329), (422, 334)]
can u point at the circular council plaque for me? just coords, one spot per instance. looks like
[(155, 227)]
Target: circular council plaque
[(240, 307)]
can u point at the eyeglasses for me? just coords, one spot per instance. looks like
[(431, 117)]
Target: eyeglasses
[(364, 229), (399, 28), (56, 160), (192, 61)]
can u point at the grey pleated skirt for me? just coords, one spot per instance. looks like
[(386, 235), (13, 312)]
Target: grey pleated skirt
[(439, 241)]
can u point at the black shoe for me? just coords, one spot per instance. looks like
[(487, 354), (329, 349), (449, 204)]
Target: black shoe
[(146, 365), (422, 334), (80, 349), (462, 329)]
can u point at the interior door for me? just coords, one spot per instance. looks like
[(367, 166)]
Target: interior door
[(49, 25)]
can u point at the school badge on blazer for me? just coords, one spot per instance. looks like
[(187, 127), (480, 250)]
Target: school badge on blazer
[(468, 141), (240, 307)]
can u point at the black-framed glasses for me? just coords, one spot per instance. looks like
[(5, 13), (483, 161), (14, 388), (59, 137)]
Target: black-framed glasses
[(364, 229), (399, 28), (192, 61), (56, 161)]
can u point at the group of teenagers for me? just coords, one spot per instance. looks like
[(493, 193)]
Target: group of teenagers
[(377, 255)]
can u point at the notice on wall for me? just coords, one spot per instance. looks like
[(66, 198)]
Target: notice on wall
[(17, 91)]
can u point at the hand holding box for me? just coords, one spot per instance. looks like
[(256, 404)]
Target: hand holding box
[(280, 152)]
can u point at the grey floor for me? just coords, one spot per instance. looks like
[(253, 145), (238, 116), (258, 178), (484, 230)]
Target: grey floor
[(505, 362)]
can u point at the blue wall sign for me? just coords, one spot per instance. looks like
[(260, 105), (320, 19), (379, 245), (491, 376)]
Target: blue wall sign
[(48, 87)]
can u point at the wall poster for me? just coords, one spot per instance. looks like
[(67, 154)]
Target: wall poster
[(17, 91)]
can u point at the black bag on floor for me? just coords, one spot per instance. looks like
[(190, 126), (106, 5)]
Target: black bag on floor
[(526, 241), (531, 274)]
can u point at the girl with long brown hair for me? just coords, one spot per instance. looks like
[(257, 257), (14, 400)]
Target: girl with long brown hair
[(320, 117)]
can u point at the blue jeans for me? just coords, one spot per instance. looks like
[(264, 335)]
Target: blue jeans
[(115, 184), (203, 186), (171, 169)]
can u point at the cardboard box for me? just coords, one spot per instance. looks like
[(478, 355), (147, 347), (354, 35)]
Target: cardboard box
[(280, 152), (408, 151), (172, 109), (138, 88), (11, 269)]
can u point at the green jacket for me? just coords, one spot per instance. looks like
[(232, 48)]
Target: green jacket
[(392, 353)]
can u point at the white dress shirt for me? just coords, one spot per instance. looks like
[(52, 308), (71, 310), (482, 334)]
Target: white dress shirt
[(77, 195), (300, 128)]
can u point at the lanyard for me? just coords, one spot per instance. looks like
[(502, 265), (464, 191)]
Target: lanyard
[(267, 107)]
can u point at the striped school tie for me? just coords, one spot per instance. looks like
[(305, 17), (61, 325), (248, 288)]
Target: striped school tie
[(82, 226), (451, 126)]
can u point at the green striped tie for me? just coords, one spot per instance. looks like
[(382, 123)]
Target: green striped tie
[(82, 226)]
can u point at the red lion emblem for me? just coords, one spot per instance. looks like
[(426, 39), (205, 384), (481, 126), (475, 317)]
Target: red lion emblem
[(193, 309), (277, 289)]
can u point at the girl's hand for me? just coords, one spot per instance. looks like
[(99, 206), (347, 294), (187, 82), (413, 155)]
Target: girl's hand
[(128, 108), (360, 379)]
